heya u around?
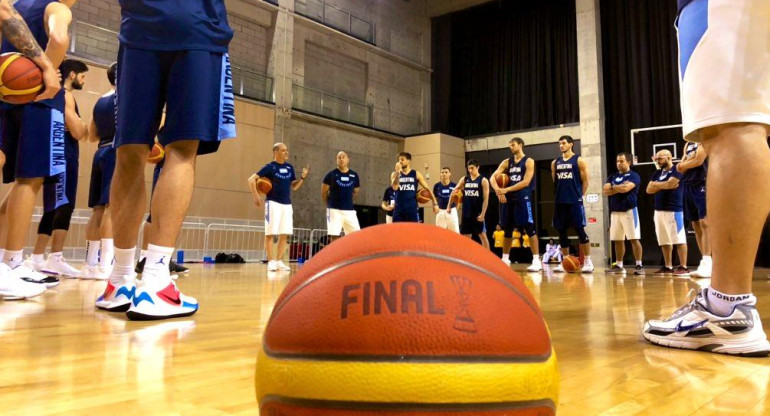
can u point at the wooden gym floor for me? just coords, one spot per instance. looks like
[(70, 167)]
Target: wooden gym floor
[(61, 357)]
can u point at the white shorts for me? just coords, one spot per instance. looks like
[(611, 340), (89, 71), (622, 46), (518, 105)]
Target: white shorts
[(338, 220), (279, 219), (669, 226), (625, 225), (724, 63), (448, 220)]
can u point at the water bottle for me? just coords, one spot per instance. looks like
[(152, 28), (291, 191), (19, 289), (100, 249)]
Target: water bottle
[(180, 256)]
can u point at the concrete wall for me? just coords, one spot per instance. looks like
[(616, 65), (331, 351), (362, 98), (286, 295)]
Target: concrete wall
[(334, 72)]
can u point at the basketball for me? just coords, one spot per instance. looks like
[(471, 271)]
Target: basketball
[(156, 154), (423, 197), (570, 264), (360, 330), (456, 197), (502, 180), (264, 186), (20, 78)]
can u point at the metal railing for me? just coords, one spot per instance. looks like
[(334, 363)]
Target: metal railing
[(332, 106), (337, 18), (252, 84)]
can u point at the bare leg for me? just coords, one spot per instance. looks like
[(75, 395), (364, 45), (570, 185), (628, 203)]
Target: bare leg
[(173, 192), (146, 233), (668, 251), (484, 240), (59, 236), (620, 250), (586, 249), (636, 246), (534, 245), (736, 214), (681, 249), (507, 242), (41, 243), (698, 235), (21, 203), (127, 193), (93, 224), (282, 242), (105, 227)]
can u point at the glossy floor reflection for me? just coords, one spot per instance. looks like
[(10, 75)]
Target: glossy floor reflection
[(61, 357)]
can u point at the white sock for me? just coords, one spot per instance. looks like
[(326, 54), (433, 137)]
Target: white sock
[(38, 258), (107, 256), (143, 255), (507, 257), (158, 258), (587, 259), (619, 264), (56, 256), (124, 264), (2, 253), (535, 258), (638, 262), (92, 252), (707, 259), (13, 258), (723, 304)]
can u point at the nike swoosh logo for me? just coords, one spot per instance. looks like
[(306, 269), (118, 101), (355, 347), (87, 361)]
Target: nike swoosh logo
[(174, 301), (683, 328)]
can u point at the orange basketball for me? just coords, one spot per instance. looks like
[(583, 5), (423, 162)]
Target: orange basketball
[(570, 264), (456, 197), (157, 153), (423, 197), (20, 78), (422, 324), (264, 186), (502, 180)]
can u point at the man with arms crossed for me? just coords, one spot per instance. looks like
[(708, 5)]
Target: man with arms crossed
[(338, 190), (446, 218), (622, 189), (669, 219)]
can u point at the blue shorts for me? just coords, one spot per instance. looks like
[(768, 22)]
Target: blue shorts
[(102, 170), (406, 216), (694, 203), (195, 86), (518, 214), (472, 226), (61, 189), (569, 216), (32, 138)]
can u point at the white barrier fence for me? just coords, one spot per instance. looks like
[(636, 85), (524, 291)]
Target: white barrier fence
[(199, 240)]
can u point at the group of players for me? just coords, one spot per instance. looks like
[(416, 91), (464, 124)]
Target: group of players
[(169, 51)]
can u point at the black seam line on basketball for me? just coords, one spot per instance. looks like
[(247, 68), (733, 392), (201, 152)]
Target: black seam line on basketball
[(411, 359), (424, 407)]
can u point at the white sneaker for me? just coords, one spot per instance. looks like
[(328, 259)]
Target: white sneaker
[(118, 297), (13, 288), (56, 266), (93, 273), (704, 270), (559, 269), (36, 266), (272, 266), (157, 297), (25, 272), (507, 262), (282, 266), (588, 266), (695, 327), (536, 266)]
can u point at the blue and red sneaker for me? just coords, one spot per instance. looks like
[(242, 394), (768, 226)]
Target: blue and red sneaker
[(117, 296), (157, 297)]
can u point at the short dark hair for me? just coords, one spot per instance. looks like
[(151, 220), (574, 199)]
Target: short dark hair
[(447, 168), (472, 162), (112, 72), (408, 156), (72, 65), (567, 138), (517, 140), (628, 157)]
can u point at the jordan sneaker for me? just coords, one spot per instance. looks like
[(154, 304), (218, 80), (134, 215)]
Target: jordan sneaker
[(536, 266), (117, 296), (559, 269), (695, 327), (25, 272), (93, 273), (282, 266), (56, 266), (588, 267), (272, 266), (157, 297), (14, 288), (175, 268), (703, 271)]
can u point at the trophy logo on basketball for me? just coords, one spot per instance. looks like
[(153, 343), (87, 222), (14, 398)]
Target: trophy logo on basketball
[(463, 320)]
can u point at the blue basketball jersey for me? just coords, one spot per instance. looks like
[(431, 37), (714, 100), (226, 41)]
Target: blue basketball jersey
[(33, 13), (341, 187), (473, 197), (569, 184), (406, 194), (671, 199), (516, 172), (681, 4), (281, 175), (443, 192), (104, 118), (695, 177), (175, 25), (623, 202)]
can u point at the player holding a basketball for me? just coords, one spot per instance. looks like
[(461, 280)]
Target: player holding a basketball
[(279, 214), (340, 186), (475, 189), (694, 167), (99, 227), (622, 189), (388, 204), (404, 182), (518, 197), (570, 174), (33, 134), (60, 192), (446, 218), (725, 87), (169, 51)]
